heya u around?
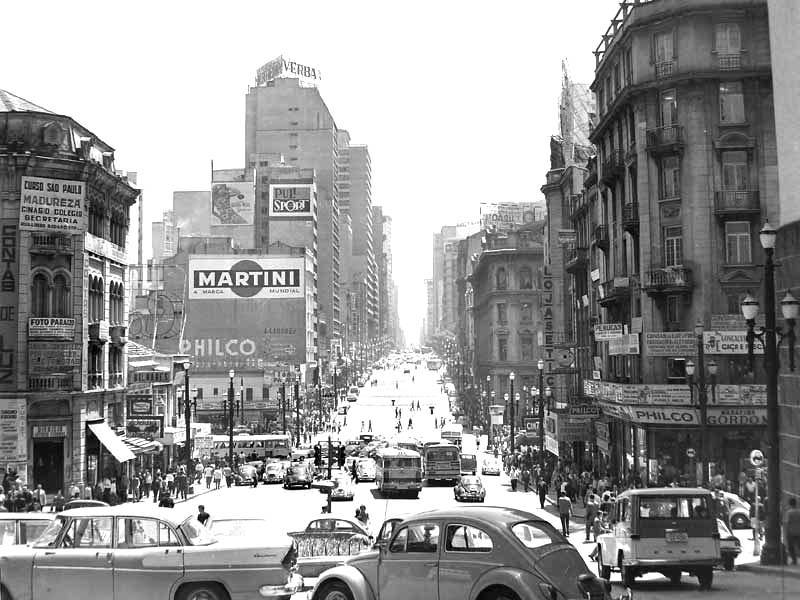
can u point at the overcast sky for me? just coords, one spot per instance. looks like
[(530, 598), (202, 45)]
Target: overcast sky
[(456, 100)]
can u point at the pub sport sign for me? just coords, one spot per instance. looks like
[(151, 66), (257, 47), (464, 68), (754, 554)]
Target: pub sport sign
[(237, 278)]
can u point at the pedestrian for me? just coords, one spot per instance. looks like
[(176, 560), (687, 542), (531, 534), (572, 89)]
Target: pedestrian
[(362, 425), (58, 502), (202, 515), (564, 511), (791, 528), (208, 472), (514, 476), (354, 471), (227, 473), (198, 471), (217, 474), (166, 500), (170, 478), (526, 479), (370, 425), (181, 484), (40, 496), (362, 516), (148, 484), (157, 482), (410, 423), (592, 509)]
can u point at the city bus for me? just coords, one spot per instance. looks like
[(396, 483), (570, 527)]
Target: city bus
[(254, 447), (442, 463), (398, 471), (452, 432)]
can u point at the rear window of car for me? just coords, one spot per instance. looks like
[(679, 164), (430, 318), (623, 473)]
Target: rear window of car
[(673, 507), (534, 534), (196, 533)]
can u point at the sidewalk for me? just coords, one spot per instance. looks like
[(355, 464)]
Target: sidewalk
[(788, 571)]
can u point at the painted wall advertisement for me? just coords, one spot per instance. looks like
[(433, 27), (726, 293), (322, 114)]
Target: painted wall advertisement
[(624, 345), (13, 430), (670, 343), (9, 257), (233, 202), (53, 205), (607, 331), (280, 66), (291, 200), (504, 216), (670, 394), (729, 342), (149, 427), (45, 358), (231, 278), (51, 328)]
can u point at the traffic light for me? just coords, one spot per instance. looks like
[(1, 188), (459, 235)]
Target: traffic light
[(341, 456), (317, 456)]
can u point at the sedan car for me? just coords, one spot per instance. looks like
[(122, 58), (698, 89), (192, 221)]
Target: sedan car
[(455, 553), (298, 475), (729, 545), (138, 550), (22, 527), (336, 524), (738, 511), (491, 466), (246, 475), (235, 527), (275, 472), (342, 488), (469, 489), (366, 470)]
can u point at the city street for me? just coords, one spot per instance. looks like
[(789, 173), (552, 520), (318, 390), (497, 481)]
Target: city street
[(293, 509)]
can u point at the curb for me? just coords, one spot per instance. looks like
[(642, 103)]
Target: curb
[(791, 572)]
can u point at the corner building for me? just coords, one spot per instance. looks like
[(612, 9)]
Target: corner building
[(686, 174), (64, 217)]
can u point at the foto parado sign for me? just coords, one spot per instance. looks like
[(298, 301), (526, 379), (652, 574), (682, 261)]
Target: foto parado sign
[(232, 278)]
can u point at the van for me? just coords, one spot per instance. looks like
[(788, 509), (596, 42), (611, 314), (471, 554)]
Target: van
[(662, 530)]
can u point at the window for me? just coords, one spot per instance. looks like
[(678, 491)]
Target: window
[(61, 307), (463, 538), (200, 393), (670, 177), (423, 537), (526, 347), (501, 279), (88, 533), (673, 246), (738, 243), (734, 302), (664, 48), (673, 309), (115, 361), (116, 300), (525, 312), (216, 392), (95, 367), (96, 308), (728, 38), (502, 348), (731, 102), (535, 534), (502, 314), (617, 86), (525, 279), (673, 507), (676, 368), (734, 170), (248, 394), (668, 108), (40, 290)]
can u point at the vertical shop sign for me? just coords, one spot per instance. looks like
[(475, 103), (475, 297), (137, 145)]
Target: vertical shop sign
[(9, 257), (547, 323)]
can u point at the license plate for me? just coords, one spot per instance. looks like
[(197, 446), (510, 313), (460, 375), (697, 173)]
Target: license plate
[(679, 537)]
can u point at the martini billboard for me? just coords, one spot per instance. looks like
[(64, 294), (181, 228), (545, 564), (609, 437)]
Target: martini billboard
[(246, 313)]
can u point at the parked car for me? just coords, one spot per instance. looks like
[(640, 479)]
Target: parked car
[(22, 527), (366, 470), (298, 475), (342, 487), (469, 489), (154, 552), (230, 527), (246, 475), (353, 391), (661, 530), (327, 542), (452, 553), (335, 524), (491, 466), (729, 545), (738, 511), (80, 503), (275, 472)]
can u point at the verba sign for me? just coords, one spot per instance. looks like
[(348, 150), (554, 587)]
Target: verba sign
[(234, 278)]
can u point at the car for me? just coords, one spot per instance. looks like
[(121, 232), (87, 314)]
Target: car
[(469, 489), (406, 370), (353, 391), (331, 524), (22, 527), (491, 466), (327, 542), (274, 472), (137, 550), (352, 398), (298, 475), (366, 470), (469, 464), (342, 487), (738, 510), (729, 545), (235, 527), (477, 552), (246, 475), (83, 503)]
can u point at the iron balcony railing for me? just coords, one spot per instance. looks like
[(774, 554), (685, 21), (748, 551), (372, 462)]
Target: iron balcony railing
[(736, 201), (664, 136), (730, 62)]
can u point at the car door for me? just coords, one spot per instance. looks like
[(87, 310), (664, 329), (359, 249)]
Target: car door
[(148, 559), (409, 567), (468, 553), (82, 564)]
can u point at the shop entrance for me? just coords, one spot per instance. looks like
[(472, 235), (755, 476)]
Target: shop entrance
[(48, 464)]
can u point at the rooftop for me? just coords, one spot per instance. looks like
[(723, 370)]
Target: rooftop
[(11, 103)]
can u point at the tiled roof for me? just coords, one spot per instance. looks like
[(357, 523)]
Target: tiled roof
[(11, 103)]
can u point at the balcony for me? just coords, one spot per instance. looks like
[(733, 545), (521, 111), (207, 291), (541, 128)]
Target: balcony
[(665, 69), (50, 383), (630, 218), (631, 154), (613, 166), (577, 206), (736, 203), (576, 259), (115, 380), (668, 280), (615, 290), (729, 62), (560, 339), (118, 335), (98, 332), (51, 243), (666, 139), (601, 236), (94, 381)]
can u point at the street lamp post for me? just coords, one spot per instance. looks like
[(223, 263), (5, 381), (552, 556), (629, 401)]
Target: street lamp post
[(283, 404), (540, 366), (770, 336), (230, 418), (513, 414), (702, 395), (187, 411), (297, 411)]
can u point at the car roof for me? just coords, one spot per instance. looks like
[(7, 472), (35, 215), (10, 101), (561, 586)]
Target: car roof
[(7, 516), (666, 491), (175, 515), (497, 515)]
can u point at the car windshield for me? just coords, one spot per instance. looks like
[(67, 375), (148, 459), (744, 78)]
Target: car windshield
[(723, 529), (470, 481), (223, 528), (673, 507), (196, 533), (48, 537)]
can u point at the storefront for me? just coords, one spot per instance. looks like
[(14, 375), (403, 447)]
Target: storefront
[(49, 435), (106, 453)]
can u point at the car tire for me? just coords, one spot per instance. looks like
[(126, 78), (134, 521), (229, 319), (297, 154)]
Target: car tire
[(334, 590), (728, 562), (705, 577), (740, 521), (675, 577), (202, 591), (499, 593), (627, 575)]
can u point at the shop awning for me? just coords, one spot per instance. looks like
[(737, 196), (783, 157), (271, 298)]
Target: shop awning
[(142, 445), (112, 442)]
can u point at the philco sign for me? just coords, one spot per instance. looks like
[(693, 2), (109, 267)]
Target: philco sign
[(290, 201), (665, 416), (231, 278)]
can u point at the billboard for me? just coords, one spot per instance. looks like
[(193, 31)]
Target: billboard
[(234, 277), (13, 430), (233, 202), (280, 66), (507, 215), (9, 301), (53, 205), (291, 200)]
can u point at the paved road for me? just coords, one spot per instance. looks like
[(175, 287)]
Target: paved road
[(292, 509)]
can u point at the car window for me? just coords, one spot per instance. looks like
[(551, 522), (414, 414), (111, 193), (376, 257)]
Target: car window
[(137, 533), (344, 525), (624, 510), (464, 538), (88, 533), (422, 537), (673, 507), (167, 535), (534, 535), (48, 537), (31, 529), (8, 532), (197, 533)]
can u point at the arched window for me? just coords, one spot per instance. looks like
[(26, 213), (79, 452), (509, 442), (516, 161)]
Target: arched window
[(95, 299), (501, 279), (525, 279), (61, 307), (115, 302), (40, 292)]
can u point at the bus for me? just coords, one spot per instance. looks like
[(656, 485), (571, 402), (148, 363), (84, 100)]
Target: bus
[(442, 463), (452, 432), (434, 364), (406, 443), (254, 447), (399, 471)]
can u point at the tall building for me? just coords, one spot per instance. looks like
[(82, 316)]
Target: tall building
[(361, 212), (286, 118), (387, 303), (686, 167), (63, 316)]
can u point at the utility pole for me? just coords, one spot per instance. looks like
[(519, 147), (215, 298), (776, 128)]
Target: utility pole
[(297, 410), (230, 419), (283, 404)]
